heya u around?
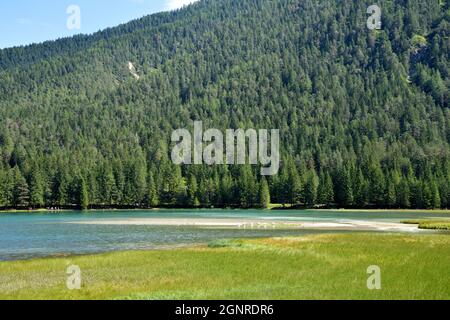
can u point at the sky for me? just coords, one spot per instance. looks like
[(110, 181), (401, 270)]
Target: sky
[(24, 22)]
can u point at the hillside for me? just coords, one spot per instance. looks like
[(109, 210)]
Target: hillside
[(363, 115)]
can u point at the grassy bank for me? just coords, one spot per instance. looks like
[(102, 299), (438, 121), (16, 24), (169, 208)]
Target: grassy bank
[(315, 267), (430, 224)]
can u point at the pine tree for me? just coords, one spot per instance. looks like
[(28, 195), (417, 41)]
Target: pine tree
[(6, 144), (119, 177), (192, 192), (83, 194), (152, 197), (444, 192), (108, 186), (139, 181), (403, 194), (293, 185), (8, 188), (204, 194), (360, 189), (227, 189), (246, 187), (2, 188), (94, 194), (60, 188), (435, 197), (264, 194), (390, 198), (326, 189), (417, 194), (218, 201), (36, 189), (281, 185), (376, 185), (344, 191), (311, 186), (21, 191), (427, 196)]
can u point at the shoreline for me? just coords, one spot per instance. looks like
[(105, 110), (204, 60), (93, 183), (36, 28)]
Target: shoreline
[(273, 209), (260, 224)]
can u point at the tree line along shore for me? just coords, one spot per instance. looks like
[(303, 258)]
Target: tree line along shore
[(134, 184)]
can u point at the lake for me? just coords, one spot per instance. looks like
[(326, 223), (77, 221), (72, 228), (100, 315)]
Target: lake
[(30, 235)]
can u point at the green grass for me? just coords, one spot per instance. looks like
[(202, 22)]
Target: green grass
[(331, 266), (431, 224)]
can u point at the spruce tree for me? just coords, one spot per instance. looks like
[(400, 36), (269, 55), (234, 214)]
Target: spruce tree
[(192, 189), (108, 186), (344, 191), (36, 189), (293, 185), (21, 192), (403, 194), (326, 189), (83, 194), (152, 197), (204, 192), (311, 186), (376, 185), (227, 189), (264, 194), (360, 189), (435, 197), (2, 188), (427, 196), (390, 193)]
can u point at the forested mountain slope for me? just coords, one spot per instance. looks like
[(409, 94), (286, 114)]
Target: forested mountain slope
[(363, 115)]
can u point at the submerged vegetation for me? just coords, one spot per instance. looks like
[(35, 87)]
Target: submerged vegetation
[(363, 115), (313, 267)]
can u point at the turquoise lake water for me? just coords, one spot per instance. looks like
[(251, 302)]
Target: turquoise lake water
[(29, 235)]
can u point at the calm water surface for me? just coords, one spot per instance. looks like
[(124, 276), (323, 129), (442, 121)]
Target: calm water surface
[(29, 235)]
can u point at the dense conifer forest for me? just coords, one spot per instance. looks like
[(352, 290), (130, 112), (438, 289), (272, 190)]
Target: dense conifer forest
[(363, 114)]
